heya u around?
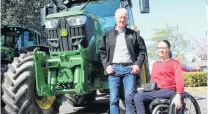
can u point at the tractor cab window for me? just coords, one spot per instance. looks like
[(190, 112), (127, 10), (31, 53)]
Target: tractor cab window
[(99, 8), (9, 41), (31, 36), (105, 12)]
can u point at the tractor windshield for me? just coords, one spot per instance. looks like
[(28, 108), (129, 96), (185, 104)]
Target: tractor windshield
[(104, 10), (99, 8)]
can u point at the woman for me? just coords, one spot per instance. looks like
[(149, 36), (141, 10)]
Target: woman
[(168, 75)]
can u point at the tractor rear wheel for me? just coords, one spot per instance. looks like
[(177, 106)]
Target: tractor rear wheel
[(20, 91)]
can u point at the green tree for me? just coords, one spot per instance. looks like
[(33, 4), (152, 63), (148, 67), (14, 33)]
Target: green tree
[(178, 40)]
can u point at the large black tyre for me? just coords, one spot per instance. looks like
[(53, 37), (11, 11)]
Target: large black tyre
[(84, 100), (19, 88)]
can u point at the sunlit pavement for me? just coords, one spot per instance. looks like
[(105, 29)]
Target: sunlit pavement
[(200, 94), (101, 106), (102, 103)]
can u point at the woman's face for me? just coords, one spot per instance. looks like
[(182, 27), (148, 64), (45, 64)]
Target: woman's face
[(163, 50)]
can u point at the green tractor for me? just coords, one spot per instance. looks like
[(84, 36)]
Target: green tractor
[(70, 64), (12, 39)]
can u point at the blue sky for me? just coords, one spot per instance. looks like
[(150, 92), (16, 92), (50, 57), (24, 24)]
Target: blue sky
[(189, 15)]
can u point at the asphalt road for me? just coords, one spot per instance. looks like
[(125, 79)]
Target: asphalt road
[(101, 105)]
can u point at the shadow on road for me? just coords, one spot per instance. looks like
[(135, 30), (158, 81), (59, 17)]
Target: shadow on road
[(105, 95), (99, 107)]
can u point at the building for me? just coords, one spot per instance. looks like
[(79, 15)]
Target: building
[(201, 64)]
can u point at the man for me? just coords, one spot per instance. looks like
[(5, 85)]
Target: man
[(122, 54)]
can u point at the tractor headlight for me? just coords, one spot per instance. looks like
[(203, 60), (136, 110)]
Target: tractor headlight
[(51, 23), (76, 20)]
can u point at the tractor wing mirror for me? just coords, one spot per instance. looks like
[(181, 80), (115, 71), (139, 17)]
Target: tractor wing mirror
[(46, 10), (144, 6)]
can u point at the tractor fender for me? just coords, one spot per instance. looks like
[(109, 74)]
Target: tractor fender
[(31, 48)]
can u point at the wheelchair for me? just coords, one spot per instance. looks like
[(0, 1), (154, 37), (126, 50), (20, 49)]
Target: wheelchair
[(166, 106)]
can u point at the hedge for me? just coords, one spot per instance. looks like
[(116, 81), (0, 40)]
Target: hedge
[(195, 79)]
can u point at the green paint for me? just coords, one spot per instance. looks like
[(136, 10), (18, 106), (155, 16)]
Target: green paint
[(73, 71)]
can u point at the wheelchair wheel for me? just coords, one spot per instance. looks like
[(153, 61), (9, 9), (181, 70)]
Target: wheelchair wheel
[(190, 105), (160, 109)]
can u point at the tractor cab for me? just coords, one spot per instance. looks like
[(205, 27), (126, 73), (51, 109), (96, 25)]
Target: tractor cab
[(15, 37), (9, 38)]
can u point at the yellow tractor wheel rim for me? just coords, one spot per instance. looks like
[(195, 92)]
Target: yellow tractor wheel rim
[(46, 102)]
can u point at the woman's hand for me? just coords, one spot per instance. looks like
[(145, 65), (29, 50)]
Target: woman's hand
[(177, 101)]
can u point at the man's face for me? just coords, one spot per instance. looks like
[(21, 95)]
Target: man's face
[(121, 19)]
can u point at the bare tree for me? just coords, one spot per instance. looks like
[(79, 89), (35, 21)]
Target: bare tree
[(200, 48), (180, 44)]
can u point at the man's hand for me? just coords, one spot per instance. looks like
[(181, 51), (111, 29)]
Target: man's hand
[(177, 101), (109, 69), (135, 69)]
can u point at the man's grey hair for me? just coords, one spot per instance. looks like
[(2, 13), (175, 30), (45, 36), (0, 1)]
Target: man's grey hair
[(121, 10)]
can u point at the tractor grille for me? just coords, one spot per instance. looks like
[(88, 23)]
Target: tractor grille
[(76, 34)]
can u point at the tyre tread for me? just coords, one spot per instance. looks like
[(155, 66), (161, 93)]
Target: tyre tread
[(19, 88)]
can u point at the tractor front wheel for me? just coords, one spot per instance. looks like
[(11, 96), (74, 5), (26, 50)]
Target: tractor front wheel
[(20, 91)]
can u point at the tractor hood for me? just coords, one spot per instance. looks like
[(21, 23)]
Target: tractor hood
[(101, 10), (65, 14), (72, 13)]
